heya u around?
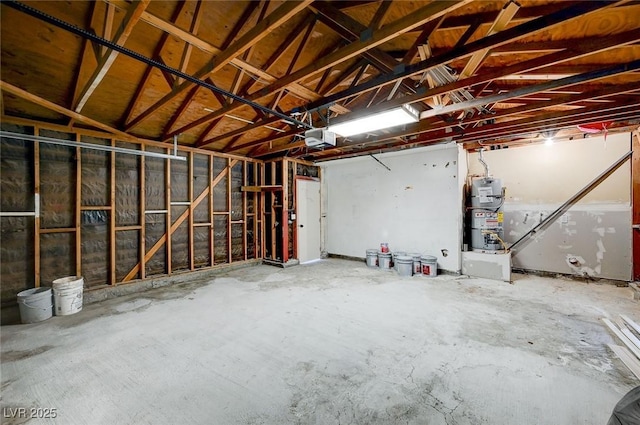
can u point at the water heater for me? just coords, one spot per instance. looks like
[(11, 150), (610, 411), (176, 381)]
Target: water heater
[(487, 199)]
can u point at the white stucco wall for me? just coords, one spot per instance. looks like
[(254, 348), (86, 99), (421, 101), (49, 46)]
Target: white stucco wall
[(415, 207)]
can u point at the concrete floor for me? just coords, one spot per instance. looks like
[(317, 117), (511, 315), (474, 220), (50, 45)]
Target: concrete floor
[(327, 343)]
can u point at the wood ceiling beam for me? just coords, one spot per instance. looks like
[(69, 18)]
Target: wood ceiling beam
[(444, 132), (352, 30), (552, 121), (577, 51), (352, 4), (536, 88), (250, 38), (107, 27), (501, 22), (131, 107), (427, 30), (183, 107), (130, 20), (418, 18), (240, 131), (172, 29), (208, 130), (382, 10), (431, 125), (303, 43), (264, 121), (188, 47), (390, 31), (282, 48), (230, 108), (484, 18), (535, 124), (241, 22), (503, 37), (168, 77), (343, 76), (268, 139), (23, 94), (582, 50), (89, 57), (473, 27), (220, 98)]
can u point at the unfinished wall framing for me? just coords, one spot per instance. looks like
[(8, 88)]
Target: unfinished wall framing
[(114, 217), (280, 204)]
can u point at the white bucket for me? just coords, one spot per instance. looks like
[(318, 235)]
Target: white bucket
[(394, 255), (67, 295), (384, 260), (404, 264), (429, 265), (372, 257), (35, 305), (417, 267)]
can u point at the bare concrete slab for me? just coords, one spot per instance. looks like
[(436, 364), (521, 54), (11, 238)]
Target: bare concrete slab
[(332, 342)]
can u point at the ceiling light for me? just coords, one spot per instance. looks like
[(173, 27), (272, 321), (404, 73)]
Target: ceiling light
[(548, 136), (397, 116)]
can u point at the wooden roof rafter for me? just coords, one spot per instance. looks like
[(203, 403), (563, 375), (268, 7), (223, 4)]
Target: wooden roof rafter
[(333, 65), (432, 131), (250, 38), (281, 50), (378, 18), (244, 18), (503, 37), (622, 109), (100, 23), (418, 18), (351, 30), (23, 94), (108, 58), (432, 125), (188, 47), (503, 19), (261, 121), (302, 45), (126, 117)]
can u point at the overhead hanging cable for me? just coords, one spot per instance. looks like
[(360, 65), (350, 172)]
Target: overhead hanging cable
[(128, 52)]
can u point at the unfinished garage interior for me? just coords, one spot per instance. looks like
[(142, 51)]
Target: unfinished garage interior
[(320, 212)]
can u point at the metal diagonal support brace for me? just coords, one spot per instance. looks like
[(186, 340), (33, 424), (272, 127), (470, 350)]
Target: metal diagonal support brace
[(569, 203)]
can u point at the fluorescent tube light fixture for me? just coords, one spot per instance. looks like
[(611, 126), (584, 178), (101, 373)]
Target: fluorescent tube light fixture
[(404, 114)]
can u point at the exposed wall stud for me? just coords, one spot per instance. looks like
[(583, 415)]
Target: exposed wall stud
[(191, 240), (168, 217), (36, 189), (112, 216), (78, 212)]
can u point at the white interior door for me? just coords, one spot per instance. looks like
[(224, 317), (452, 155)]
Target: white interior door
[(308, 220)]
